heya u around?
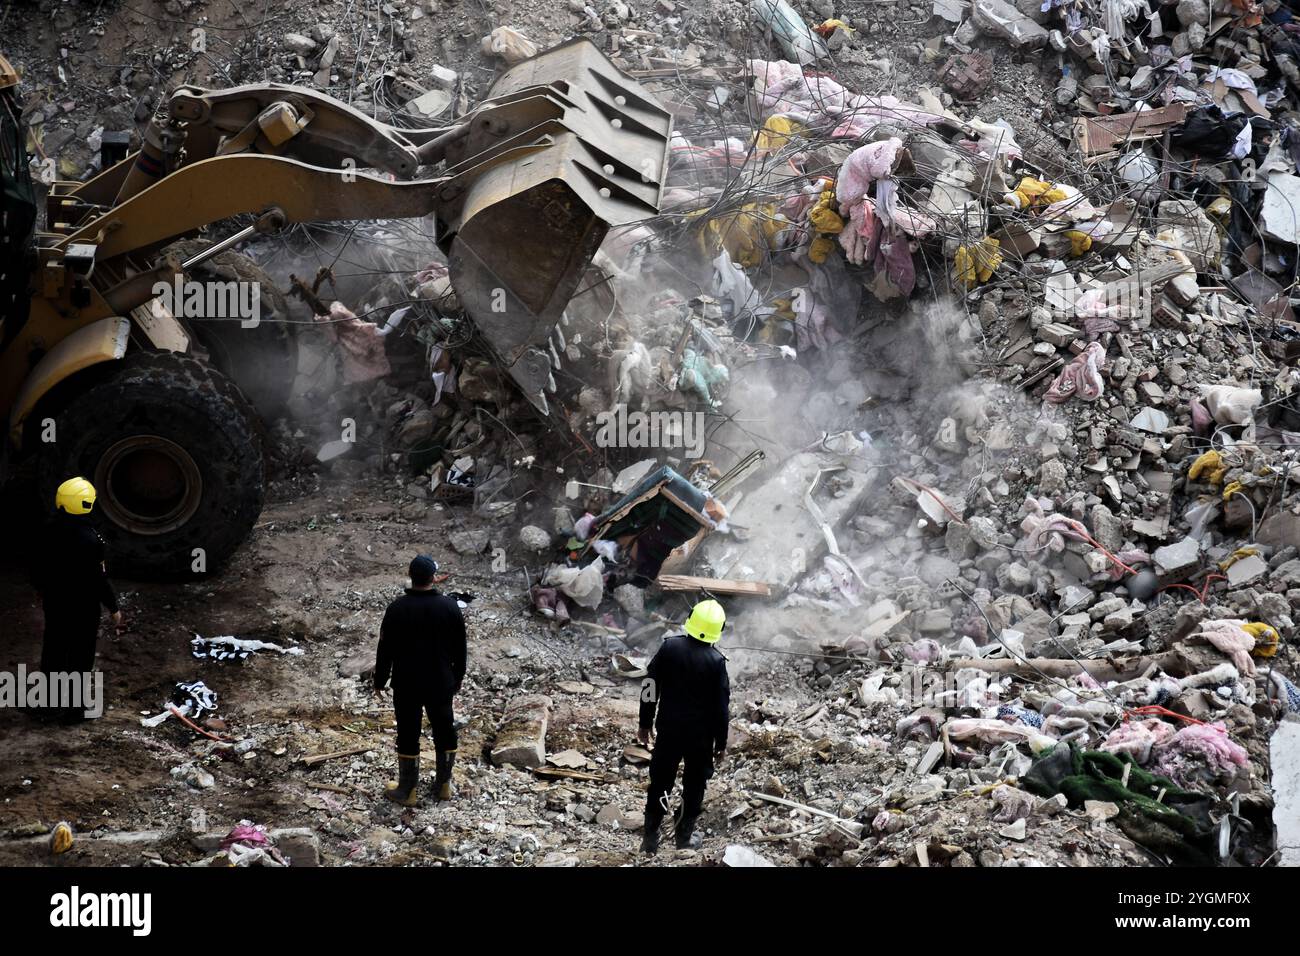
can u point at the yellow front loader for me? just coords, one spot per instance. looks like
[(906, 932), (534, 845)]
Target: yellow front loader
[(155, 405)]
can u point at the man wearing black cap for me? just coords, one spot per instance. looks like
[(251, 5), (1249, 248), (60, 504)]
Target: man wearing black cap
[(422, 646)]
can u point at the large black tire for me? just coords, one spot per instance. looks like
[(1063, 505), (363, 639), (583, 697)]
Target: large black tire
[(174, 451), (263, 360)]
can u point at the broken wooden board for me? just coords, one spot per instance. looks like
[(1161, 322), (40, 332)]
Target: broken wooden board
[(1102, 133), (685, 582), (321, 758)]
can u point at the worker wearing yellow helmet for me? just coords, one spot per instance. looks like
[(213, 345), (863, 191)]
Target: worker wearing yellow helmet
[(685, 701), (72, 578)]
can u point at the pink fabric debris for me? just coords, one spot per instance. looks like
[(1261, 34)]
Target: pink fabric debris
[(819, 102), (549, 603), (811, 328), (894, 214), (1201, 420), (1199, 747), (1227, 636), (361, 347), (894, 258), (861, 234), (1095, 326), (923, 651), (1048, 529), (1137, 737), (248, 835), (1082, 377), (864, 166)]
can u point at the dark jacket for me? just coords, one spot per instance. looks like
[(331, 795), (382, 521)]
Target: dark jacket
[(69, 571), (687, 684), (422, 645)]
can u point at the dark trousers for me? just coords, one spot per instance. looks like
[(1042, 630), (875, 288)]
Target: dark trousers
[(71, 632), (669, 752), (68, 646), (410, 707)]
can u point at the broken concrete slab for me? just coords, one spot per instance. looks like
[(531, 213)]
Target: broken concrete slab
[(521, 739), (1248, 569), (1279, 529), (1284, 756), (1179, 557), (780, 552), (1279, 216), (999, 19)]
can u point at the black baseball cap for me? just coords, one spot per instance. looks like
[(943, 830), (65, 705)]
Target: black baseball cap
[(422, 570)]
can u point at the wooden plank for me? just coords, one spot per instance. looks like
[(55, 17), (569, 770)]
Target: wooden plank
[(346, 791), (685, 582), (321, 758), (1102, 133)]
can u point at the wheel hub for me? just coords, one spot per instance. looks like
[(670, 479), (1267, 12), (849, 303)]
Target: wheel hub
[(148, 485)]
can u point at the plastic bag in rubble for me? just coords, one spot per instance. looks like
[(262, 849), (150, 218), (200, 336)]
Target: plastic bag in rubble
[(585, 585), (1141, 172), (991, 731), (743, 856), (509, 44), (731, 283), (797, 39), (1229, 405)]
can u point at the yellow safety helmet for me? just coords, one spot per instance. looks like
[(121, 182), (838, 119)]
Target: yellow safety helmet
[(705, 622), (76, 496)]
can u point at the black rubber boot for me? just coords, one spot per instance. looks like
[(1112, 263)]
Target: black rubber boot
[(442, 789), (650, 842), (408, 778), (687, 838)]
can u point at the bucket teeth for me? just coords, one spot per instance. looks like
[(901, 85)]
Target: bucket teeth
[(555, 356), (557, 341)]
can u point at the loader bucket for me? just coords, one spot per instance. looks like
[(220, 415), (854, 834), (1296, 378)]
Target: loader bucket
[(565, 147)]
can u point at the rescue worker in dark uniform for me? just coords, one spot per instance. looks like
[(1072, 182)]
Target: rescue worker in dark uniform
[(72, 580), (685, 700), (422, 646)]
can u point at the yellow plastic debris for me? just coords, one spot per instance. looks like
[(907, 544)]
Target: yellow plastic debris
[(820, 248), (746, 233), (830, 26), (1034, 192), (1211, 465), (61, 838), (776, 133), (975, 263), (1232, 489), (1080, 242), (824, 217), (1236, 556), (1266, 638)]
